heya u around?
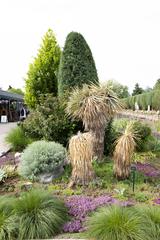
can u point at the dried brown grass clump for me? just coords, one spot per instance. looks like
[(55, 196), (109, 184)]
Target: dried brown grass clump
[(125, 146), (81, 155)]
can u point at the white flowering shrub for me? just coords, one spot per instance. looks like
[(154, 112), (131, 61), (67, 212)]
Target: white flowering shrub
[(41, 157)]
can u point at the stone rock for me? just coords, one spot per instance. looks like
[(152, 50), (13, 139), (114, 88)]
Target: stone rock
[(17, 157), (47, 178), (27, 186)]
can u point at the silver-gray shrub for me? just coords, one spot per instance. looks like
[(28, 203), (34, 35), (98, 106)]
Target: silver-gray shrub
[(41, 157)]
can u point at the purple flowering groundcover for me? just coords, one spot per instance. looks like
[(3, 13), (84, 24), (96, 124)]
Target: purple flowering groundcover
[(80, 206), (157, 201), (148, 170)]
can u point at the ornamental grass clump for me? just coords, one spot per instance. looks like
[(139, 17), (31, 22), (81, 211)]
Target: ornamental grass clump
[(7, 219), (125, 146), (81, 156), (150, 221), (115, 223), (39, 215), (17, 139), (41, 157)]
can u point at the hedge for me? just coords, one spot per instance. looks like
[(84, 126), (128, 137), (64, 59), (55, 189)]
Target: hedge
[(151, 98)]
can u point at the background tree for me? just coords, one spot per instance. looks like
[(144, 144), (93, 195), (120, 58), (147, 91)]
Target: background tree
[(120, 90), (157, 85), (77, 65), (15, 90), (137, 90), (42, 73)]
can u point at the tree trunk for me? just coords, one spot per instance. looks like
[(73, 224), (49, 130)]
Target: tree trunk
[(121, 171), (122, 161), (98, 143)]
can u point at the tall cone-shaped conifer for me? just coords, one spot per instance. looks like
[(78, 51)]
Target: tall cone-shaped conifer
[(77, 65)]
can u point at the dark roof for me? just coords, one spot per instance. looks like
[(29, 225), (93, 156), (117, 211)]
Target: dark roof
[(10, 96)]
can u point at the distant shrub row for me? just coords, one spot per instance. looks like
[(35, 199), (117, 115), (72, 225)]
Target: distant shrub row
[(151, 98)]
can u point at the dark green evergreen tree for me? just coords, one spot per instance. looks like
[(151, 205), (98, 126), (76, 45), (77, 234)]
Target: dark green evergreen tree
[(42, 73), (77, 65), (137, 90)]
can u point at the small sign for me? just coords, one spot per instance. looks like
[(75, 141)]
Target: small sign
[(4, 119)]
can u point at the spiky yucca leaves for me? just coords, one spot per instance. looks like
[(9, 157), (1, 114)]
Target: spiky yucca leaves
[(7, 219), (81, 155), (94, 105), (115, 223), (123, 152), (39, 215)]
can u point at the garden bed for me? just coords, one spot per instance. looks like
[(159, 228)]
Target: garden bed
[(105, 190)]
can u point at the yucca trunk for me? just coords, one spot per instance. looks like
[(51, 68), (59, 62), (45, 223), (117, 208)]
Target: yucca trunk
[(98, 143), (122, 166), (81, 155)]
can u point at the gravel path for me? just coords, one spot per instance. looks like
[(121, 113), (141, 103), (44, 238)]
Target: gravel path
[(4, 129)]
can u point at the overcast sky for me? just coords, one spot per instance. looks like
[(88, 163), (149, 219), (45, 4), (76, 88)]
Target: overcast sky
[(124, 36)]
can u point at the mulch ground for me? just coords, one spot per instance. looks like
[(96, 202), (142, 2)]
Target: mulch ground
[(8, 158)]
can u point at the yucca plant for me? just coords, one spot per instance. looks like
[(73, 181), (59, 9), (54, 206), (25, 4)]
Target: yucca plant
[(124, 149), (81, 156), (94, 106), (39, 215), (115, 223)]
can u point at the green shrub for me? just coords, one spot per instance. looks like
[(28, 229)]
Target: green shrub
[(110, 136), (156, 146), (157, 126), (17, 139), (142, 129), (141, 197), (10, 170), (39, 215), (120, 124), (152, 144), (144, 157), (49, 122), (41, 157), (115, 223), (144, 133)]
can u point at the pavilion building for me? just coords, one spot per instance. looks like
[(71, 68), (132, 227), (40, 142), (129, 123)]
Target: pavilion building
[(10, 106)]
